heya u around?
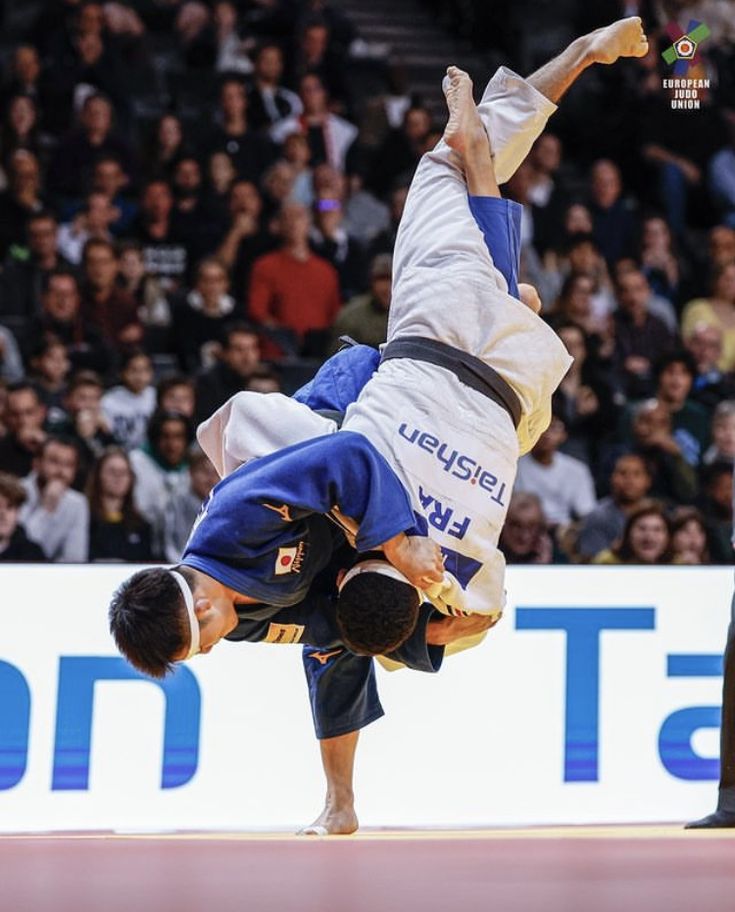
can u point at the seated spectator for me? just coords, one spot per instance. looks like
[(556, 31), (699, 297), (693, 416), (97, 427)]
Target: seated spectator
[(246, 239), (94, 220), (221, 177), (401, 151), (127, 408), (659, 263), (21, 200), (21, 130), (174, 523), (268, 101), (83, 422), (297, 154), (61, 318), (613, 215), (315, 55), (154, 311), (689, 537), (24, 77), (49, 373), (673, 478), (277, 185), (329, 136), (166, 148), (11, 363), (15, 546), (574, 304), (547, 192), (105, 305), (630, 484), (26, 270), (365, 318), (331, 241), (722, 179), (176, 393), (91, 139), (160, 465), (109, 179), (250, 150), (201, 315), (292, 289), (263, 381), (196, 225), (525, 538), (238, 361), (582, 258), (646, 538), (563, 484), (231, 50), (716, 506), (584, 397), (385, 241), (117, 532), (711, 385), (365, 215), (721, 247), (723, 435), (55, 515), (717, 310), (157, 230), (675, 374), (24, 419), (641, 339)]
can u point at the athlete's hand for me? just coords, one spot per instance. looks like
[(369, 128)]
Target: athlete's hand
[(418, 558), (442, 632)]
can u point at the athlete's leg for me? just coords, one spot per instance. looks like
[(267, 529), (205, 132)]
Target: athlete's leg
[(724, 816), (437, 227), (338, 761)]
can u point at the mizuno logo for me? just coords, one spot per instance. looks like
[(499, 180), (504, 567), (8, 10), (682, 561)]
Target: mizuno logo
[(284, 512), (323, 657)]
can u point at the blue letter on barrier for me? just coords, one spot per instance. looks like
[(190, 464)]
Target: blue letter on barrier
[(583, 627), (675, 737), (77, 677), (15, 713)]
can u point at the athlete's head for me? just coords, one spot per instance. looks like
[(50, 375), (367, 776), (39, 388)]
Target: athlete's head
[(377, 608), (160, 616)]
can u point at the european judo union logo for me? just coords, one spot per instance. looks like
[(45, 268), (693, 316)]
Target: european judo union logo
[(684, 50)]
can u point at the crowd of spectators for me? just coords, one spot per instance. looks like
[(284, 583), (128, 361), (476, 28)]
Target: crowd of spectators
[(198, 198)]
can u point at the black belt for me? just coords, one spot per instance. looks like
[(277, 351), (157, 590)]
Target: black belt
[(465, 367)]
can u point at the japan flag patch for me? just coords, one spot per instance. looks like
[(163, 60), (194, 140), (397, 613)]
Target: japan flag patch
[(286, 560)]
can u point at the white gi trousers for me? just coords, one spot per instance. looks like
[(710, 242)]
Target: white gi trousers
[(455, 450)]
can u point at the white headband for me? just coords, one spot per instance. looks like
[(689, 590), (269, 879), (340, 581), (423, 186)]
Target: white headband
[(189, 602), (377, 566)]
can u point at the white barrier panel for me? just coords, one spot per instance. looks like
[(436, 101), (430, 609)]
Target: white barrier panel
[(596, 699)]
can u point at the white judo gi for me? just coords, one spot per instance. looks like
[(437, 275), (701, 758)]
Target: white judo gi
[(454, 449)]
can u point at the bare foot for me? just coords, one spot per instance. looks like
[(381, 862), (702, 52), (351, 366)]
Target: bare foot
[(624, 38), (333, 821), (464, 127)]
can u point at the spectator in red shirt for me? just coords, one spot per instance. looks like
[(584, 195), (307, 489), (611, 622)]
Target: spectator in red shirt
[(292, 289)]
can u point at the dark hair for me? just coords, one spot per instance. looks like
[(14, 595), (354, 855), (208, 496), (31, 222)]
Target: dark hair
[(130, 354), (84, 378), (161, 417), (131, 519), (171, 381), (23, 386), (680, 356), (239, 328), (624, 550), (376, 613), (60, 440), (146, 618), (682, 517), (43, 215)]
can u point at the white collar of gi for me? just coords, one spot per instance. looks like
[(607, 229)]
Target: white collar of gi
[(189, 602), (377, 566)]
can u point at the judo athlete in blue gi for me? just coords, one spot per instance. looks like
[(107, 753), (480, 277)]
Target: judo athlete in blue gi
[(430, 445)]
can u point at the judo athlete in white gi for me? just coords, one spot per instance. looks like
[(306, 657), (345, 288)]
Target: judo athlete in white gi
[(464, 387)]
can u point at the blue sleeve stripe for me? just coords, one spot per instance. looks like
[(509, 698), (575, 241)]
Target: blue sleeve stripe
[(500, 222)]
